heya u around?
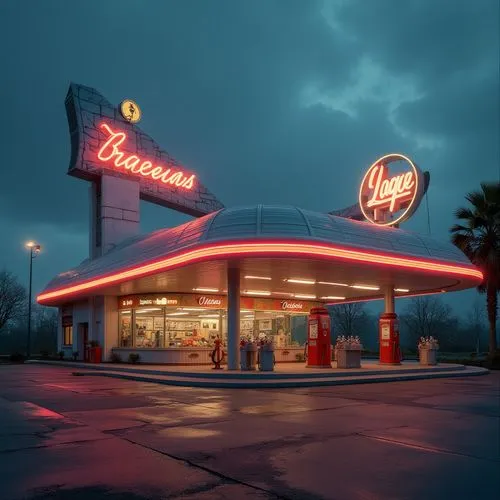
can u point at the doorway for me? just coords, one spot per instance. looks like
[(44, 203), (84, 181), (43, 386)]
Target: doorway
[(83, 340)]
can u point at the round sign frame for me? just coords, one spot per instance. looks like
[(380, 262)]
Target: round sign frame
[(414, 203), (125, 111)]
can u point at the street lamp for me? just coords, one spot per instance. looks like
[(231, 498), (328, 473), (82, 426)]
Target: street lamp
[(34, 249)]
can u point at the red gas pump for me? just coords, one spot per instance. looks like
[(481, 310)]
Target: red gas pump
[(319, 349), (390, 352)]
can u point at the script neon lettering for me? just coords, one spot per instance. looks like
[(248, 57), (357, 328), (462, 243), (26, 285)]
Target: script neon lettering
[(388, 192), (110, 152)]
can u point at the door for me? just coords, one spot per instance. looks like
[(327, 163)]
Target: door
[(83, 340)]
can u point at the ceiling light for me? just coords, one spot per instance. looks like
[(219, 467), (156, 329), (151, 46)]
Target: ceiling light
[(248, 316), (125, 312), (283, 293), (148, 310), (256, 292), (257, 278), (402, 290), (332, 283), (177, 314), (300, 281), (365, 287), (332, 297), (300, 296), (203, 289), (208, 316), (192, 309)]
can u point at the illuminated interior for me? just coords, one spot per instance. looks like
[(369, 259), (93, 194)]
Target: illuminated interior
[(167, 327)]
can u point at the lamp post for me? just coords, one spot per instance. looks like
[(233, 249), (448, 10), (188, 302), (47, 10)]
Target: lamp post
[(34, 249)]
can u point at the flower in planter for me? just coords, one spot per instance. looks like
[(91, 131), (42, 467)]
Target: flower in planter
[(266, 344), (351, 343), (428, 343)]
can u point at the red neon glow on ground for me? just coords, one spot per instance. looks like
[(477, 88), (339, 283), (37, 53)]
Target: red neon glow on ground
[(110, 153), (264, 249)]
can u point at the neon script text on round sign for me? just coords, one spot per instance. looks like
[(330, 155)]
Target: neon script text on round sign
[(110, 152), (389, 192)]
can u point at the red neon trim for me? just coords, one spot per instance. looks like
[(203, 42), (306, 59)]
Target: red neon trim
[(264, 249), (110, 152)]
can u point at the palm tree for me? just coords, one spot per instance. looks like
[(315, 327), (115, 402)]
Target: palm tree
[(478, 236)]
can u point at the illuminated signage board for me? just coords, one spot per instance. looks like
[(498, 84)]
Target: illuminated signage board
[(112, 153), (106, 141), (215, 302), (391, 190)]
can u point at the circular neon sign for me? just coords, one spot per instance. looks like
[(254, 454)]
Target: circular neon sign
[(391, 190)]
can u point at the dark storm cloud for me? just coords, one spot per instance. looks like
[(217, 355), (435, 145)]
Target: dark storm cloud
[(269, 101)]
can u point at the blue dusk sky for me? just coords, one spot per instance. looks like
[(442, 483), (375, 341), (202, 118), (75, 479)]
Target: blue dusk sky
[(268, 101)]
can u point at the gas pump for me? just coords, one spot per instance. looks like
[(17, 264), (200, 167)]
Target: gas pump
[(390, 352), (319, 349)]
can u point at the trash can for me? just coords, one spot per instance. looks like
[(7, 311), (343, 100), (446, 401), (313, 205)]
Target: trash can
[(266, 358), (248, 357)]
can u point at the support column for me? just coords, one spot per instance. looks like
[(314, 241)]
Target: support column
[(390, 352), (233, 318), (389, 299)]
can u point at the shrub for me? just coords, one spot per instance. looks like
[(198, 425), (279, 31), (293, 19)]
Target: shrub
[(16, 357), (61, 355), (75, 355), (133, 357), (114, 357)]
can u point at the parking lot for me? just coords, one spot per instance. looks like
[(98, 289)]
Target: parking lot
[(67, 437)]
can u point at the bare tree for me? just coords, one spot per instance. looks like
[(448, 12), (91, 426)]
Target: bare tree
[(426, 316), (12, 298), (348, 319)]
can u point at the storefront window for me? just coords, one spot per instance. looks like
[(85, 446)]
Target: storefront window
[(150, 327), (125, 328), (68, 335), (171, 321), (284, 329), (186, 329)]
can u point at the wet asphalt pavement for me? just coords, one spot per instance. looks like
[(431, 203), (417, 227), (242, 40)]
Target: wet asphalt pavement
[(66, 437)]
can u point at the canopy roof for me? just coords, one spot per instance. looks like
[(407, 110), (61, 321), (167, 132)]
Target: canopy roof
[(341, 256)]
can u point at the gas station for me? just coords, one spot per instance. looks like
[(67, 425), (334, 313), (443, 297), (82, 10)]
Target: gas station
[(196, 294)]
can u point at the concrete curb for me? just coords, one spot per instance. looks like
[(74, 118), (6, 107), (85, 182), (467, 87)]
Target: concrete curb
[(336, 373), (280, 384)]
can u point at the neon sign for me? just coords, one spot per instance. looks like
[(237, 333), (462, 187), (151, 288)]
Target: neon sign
[(386, 200), (209, 301), (110, 153), (285, 305)]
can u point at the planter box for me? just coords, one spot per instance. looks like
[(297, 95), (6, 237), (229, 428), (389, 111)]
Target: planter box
[(348, 358), (428, 357), (248, 357), (266, 360)]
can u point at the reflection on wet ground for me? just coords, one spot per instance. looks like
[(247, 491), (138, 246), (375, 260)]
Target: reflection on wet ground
[(105, 438)]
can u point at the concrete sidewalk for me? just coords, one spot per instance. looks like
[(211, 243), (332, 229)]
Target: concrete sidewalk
[(286, 375)]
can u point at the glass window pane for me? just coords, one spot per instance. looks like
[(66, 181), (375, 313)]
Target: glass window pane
[(125, 328), (149, 327)]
